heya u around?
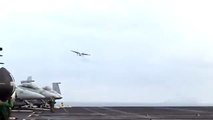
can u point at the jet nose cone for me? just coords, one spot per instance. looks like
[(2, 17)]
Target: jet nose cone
[(59, 96), (7, 85), (56, 96), (48, 94)]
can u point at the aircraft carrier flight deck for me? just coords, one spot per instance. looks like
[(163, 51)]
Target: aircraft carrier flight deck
[(117, 113)]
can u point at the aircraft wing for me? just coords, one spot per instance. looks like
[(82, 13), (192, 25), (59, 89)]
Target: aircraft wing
[(75, 52), (85, 54)]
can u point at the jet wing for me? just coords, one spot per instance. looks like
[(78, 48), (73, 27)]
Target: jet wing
[(85, 54)]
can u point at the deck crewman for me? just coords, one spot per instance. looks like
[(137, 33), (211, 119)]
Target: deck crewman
[(5, 109), (51, 102)]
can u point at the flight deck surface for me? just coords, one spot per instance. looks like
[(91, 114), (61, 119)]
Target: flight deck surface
[(119, 113)]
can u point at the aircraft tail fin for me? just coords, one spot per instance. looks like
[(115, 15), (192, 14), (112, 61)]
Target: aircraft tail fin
[(56, 87), (29, 80)]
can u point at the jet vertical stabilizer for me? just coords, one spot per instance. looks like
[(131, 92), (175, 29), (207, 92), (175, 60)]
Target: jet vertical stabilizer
[(56, 87)]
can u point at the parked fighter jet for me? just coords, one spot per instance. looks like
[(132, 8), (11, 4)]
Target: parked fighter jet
[(30, 94), (80, 54), (29, 86)]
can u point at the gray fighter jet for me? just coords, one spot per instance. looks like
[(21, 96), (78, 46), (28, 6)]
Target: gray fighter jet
[(27, 93), (30, 86)]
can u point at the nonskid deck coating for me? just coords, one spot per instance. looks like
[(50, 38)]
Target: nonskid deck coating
[(122, 113)]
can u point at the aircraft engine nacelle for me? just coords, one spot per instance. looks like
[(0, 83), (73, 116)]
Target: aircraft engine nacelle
[(7, 84)]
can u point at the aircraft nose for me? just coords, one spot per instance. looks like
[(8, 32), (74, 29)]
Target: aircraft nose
[(49, 94), (59, 96)]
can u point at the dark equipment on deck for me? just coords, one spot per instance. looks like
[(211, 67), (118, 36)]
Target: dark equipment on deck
[(7, 84)]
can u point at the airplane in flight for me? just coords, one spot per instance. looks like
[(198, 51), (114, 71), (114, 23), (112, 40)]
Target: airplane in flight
[(80, 54)]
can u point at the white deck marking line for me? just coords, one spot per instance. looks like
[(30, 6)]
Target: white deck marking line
[(31, 114), (22, 111), (126, 113), (65, 110), (93, 111)]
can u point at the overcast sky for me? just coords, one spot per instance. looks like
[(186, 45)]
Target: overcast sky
[(142, 51)]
